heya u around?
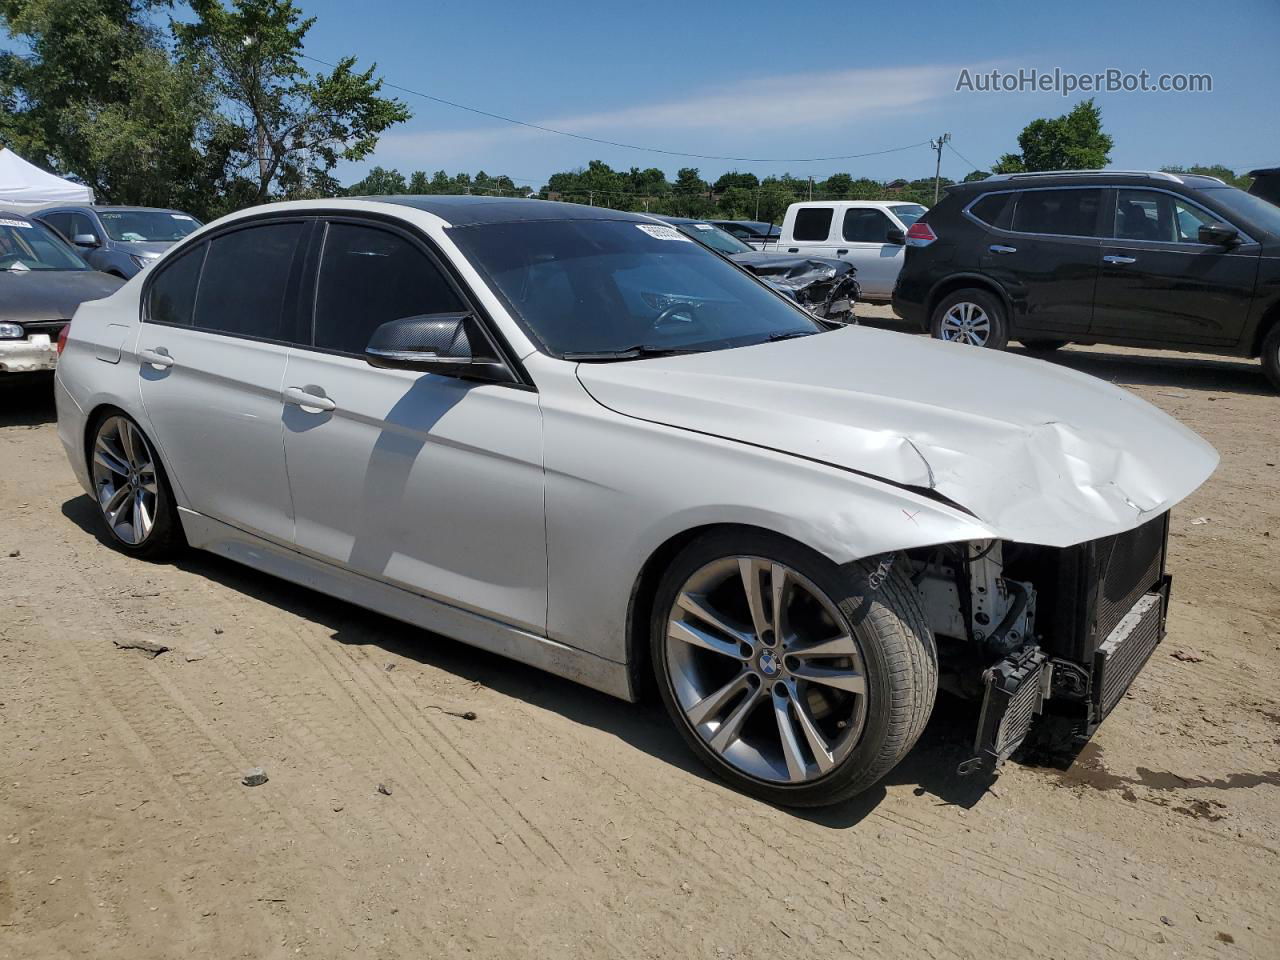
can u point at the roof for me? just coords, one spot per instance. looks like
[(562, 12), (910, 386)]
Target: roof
[(1053, 178), (24, 186), (470, 211), (1264, 171)]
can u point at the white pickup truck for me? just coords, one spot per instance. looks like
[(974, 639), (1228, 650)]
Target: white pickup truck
[(870, 234)]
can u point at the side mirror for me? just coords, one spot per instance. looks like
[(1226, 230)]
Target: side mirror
[(1219, 234), (894, 235), (434, 343), (85, 240)]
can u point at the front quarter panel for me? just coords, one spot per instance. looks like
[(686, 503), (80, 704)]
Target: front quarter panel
[(618, 488)]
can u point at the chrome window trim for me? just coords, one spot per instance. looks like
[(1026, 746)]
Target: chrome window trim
[(1245, 238)]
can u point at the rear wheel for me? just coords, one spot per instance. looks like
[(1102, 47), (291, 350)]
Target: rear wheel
[(797, 680), (973, 317), (1043, 346), (1271, 355), (134, 500)]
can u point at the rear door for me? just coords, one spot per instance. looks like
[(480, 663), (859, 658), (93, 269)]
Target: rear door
[(1159, 283), (426, 481), (218, 321), (1044, 251), (864, 242)]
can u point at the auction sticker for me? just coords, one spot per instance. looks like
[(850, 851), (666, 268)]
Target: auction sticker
[(20, 223), (659, 232)]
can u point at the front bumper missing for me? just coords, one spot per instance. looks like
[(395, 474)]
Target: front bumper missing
[(1018, 686), (31, 355)]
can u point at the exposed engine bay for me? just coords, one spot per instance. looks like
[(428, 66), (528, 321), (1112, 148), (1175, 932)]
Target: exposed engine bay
[(826, 288), (1048, 638)]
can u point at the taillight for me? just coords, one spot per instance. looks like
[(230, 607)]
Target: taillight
[(920, 235), (62, 338)]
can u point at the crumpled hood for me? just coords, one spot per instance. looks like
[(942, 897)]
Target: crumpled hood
[(1037, 452), (30, 295)]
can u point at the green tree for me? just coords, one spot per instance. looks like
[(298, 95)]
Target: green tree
[(94, 93), (976, 175), (418, 182), (1073, 141), (287, 128), (380, 182)]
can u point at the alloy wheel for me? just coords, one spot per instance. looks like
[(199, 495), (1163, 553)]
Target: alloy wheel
[(124, 476), (966, 322), (765, 670)]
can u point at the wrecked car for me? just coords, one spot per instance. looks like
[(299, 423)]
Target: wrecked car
[(42, 281), (577, 438), (825, 287)]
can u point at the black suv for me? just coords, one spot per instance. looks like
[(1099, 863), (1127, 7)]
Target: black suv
[(1164, 260)]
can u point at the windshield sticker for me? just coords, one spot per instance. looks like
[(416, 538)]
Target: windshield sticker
[(662, 232), (181, 216), (110, 216), (702, 226), (15, 223)]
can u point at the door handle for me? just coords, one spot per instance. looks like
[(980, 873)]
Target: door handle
[(1002, 248), (841, 253), (156, 358), (793, 249), (308, 401), (1115, 258)]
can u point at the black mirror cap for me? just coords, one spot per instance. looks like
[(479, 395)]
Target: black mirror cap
[(1219, 234), (894, 235), (434, 343)]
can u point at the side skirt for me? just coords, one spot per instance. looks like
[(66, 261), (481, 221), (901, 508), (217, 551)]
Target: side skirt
[(486, 633)]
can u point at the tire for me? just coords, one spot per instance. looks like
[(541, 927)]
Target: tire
[(1043, 346), (866, 622), (1271, 355), (971, 316), (136, 507)]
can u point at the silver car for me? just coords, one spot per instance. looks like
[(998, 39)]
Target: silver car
[(119, 240), (577, 438)]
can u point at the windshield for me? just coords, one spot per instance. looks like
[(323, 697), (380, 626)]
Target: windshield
[(602, 286), (136, 226), (29, 246), (1260, 213), (909, 213), (713, 237)]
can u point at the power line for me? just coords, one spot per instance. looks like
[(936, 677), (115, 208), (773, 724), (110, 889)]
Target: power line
[(972, 165), (617, 143)]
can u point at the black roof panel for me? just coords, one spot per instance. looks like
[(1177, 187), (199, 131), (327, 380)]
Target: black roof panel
[(469, 211)]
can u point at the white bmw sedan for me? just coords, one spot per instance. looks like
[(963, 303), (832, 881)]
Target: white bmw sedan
[(575, 437)]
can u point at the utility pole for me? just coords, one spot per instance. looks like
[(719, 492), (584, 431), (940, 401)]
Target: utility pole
[(936, 146), (757, 203), (811, 188), (591, 198)]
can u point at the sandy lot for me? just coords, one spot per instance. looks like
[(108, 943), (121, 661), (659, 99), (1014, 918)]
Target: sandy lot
[(560, 823)]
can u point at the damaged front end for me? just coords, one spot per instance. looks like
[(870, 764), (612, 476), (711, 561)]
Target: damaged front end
[(1048, 638), (826, 288)]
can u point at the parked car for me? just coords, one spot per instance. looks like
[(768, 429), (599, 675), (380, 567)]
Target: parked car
[(1266, 184), (752, 232), (42, 281), (575, 437), (868, 233), (1163, 260), (826, 288), (119, 240)]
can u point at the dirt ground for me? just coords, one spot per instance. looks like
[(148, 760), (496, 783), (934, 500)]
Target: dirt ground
[(561, 823)]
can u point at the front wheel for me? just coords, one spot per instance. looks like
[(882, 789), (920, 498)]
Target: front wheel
[(1271, 355), (973, 317), (796, 680), (134, 500)]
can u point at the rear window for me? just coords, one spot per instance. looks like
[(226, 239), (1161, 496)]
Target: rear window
[(171, 298), (993, 209), (812, 223), (1069, 213)]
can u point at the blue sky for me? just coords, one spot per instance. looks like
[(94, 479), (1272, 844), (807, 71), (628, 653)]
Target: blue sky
[(793, 81)]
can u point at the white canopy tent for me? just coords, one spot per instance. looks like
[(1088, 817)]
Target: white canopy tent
[(24, 187)]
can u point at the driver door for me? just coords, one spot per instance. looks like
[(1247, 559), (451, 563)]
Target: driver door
[(425, 481)]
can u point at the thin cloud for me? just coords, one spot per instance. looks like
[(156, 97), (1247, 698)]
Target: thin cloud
[(793, 102)]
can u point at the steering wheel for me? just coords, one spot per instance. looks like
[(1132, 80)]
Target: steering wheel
[(667, 317)]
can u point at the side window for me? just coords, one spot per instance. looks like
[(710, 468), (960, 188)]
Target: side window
[(243, 287), (80, 224), (812, 223), (993, 210), (1144, 215), (369, 276), (865, 225), (171, 297), (61, 222), (1072, 213)]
